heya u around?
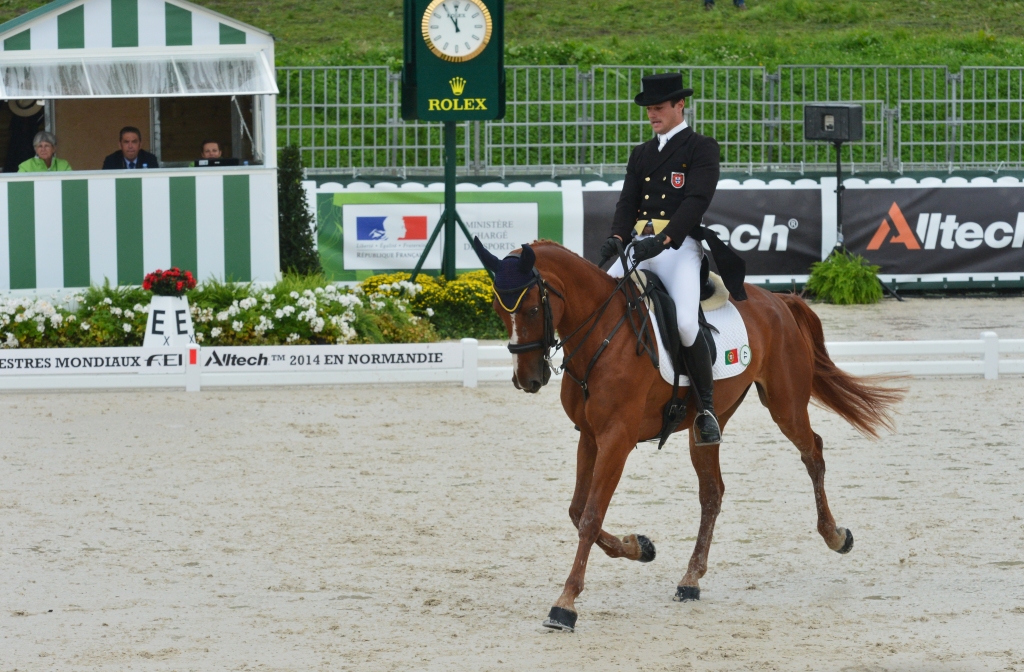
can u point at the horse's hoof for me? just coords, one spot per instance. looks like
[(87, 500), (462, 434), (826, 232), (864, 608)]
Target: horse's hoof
[(561, 619), (686, 594), (848, 546), (647, 551)]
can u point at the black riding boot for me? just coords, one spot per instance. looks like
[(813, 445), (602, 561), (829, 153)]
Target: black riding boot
[(697, 357)]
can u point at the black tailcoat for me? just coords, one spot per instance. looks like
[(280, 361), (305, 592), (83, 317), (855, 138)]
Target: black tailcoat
[(648, 191), (677, 184)]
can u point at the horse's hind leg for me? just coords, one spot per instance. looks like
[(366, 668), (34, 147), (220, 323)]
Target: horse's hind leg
[(791, 416), (712, 488), (633, 547)]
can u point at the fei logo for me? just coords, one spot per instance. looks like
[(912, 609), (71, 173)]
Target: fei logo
[(391, 228)]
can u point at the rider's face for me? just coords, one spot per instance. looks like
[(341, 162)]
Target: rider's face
[(665, 116)]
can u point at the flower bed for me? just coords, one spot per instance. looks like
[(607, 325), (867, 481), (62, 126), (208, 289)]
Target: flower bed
[(298, 310)]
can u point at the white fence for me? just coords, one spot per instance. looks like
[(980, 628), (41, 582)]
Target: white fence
[(466, 362)]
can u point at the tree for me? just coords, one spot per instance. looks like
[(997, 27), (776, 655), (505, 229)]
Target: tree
[(295, 221)]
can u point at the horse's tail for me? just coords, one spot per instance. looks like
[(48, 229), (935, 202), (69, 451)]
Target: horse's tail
[(861, 401)]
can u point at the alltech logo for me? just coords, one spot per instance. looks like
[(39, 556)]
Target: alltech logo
[(936, 230)]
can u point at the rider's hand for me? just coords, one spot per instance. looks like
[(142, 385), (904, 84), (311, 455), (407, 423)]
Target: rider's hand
[(648, 248), (609, 250)]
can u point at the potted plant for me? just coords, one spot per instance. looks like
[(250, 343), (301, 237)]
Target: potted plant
[(170, 322)]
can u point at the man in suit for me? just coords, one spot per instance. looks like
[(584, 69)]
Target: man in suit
[(131, 156), (670, 181)]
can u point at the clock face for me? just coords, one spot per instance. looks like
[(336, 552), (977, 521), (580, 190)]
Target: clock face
[(457, 30)]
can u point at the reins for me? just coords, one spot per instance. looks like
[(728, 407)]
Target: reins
[(549, 340)]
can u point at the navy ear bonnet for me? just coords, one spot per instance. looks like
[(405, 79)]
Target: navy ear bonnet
[(511, 274)]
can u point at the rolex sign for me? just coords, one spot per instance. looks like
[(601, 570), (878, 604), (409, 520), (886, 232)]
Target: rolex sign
[(454, 60)]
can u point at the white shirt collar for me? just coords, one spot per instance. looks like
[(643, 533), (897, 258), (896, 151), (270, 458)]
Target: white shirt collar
[(663, 138)]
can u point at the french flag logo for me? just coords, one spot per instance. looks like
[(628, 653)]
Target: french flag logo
[(391, 228)]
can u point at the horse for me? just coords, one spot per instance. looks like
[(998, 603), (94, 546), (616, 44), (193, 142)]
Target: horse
[(615, 396)]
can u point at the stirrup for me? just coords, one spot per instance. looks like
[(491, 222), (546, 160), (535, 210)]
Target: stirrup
[(706, 431)]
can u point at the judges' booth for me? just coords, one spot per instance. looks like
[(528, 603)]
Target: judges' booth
[(181, 74)]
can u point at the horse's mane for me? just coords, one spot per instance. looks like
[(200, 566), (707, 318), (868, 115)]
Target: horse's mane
[(545, 244)]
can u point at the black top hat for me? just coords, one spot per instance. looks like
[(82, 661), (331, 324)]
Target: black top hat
[(655, 89)]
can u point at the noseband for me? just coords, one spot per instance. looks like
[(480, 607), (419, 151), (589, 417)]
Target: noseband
[(548, 340)]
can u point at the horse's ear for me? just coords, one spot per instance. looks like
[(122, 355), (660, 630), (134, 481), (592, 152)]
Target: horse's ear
[(490, 262), (527, 258)]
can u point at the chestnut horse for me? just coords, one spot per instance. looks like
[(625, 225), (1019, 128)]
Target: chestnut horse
[(626, 395)]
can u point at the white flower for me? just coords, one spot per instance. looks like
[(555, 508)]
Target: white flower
[(222, 316), (107, 301), (317, 324), (331, 289), (430, 312), (319, 290), (139, 308), (237, 325), (71, 318), (85, 326), (279, 313), (19, 318), (129, 314), (294, 295), (116, 311), (11, 341), (247, 303), (215, 332), (292, 338), (267, 298), (288, 310), (199, 337), (127, 328), (56, 319), (40, 328)]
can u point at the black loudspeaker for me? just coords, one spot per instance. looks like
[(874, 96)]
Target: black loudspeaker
[(833, 122)]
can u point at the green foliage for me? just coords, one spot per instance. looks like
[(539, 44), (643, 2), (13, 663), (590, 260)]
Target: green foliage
[(298, 253), (461, 308), (297, 310), (844, 279), (771, 32)]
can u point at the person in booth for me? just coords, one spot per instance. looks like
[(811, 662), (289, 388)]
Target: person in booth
[(131, 156), (669, 184), (45, 159), (211, 149)]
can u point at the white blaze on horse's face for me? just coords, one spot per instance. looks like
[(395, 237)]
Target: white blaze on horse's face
[(513, 338)]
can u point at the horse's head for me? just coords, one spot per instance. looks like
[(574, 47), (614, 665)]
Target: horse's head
[(522, 299)]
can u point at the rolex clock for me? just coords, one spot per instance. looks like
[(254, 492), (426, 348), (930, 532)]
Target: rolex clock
[(454, 60)]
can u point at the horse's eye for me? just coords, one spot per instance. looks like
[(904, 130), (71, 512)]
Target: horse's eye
[(533, 311)]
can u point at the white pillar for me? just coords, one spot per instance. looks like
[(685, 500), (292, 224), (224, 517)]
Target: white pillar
[(470, 360), (991, 341)]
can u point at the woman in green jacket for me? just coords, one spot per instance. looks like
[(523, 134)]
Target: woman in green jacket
[(45, 145)]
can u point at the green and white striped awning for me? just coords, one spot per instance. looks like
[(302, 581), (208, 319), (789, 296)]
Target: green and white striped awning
[(132, 49), (124, 24)]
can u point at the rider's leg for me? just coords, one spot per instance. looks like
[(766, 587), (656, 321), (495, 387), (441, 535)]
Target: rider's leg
[(681, 272)]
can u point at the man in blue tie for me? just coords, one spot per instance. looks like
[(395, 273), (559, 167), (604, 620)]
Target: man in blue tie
[(131, 156)]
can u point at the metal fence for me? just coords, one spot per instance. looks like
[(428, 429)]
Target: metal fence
[(563, 119)]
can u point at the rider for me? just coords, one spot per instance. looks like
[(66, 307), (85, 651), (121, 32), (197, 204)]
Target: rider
[(670, 181)]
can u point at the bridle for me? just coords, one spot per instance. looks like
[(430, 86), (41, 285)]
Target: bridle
[(549, 339)]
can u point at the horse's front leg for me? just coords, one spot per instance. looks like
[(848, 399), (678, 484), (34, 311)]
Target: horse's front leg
[(632, 547), (712, 488), (613, 447)]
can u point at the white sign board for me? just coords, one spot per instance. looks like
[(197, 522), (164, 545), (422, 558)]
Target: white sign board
[(393, 236), (501, 227), (169, 324), (92, 361), (332, 357)]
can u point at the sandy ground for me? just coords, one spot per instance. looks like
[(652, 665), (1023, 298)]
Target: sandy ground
[(416, 527)]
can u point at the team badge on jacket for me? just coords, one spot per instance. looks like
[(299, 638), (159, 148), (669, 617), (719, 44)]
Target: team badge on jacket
[(678, 180)]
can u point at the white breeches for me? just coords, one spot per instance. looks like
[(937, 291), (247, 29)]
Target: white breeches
[(680, 271)]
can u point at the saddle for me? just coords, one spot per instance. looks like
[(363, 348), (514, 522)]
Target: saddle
[(658, 300)]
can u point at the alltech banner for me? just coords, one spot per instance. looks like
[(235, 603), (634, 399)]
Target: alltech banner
[(938, 232)]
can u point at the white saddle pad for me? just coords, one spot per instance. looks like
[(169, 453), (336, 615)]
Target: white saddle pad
[(733, 347)]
